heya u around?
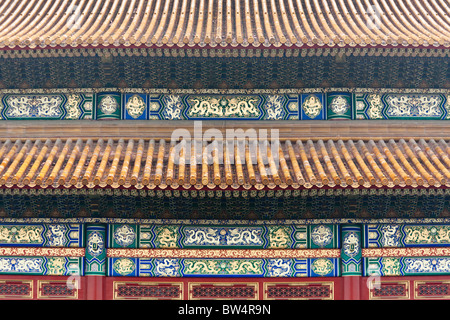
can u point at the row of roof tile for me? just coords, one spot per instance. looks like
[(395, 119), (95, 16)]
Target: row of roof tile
[(210, 23), (247, 163)]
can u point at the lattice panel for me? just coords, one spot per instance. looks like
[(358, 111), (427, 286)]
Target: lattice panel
[(16, 289), (142, 290), (389, 290), (223, 291), (57, 290), (432, 290), (303, 291)]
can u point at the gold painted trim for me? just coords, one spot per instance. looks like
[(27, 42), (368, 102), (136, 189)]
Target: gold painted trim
[(117, 283), (224, 253), (406, 283), (268, 284), (416, 284), (248, 284), (29, 296), (405, 252), (42, 252), (41, 282)]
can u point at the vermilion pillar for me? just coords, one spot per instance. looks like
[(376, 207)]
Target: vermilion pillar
[(351, 259), (95, 261)]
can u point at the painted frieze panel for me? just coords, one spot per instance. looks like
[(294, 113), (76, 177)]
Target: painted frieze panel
[(208, 236), (62, 106), (224, 107), (155, 104), (108, 106), (42, 235), (396, 106), (397, 235), (122, 236), (41, 265), (339, 105), (406, 266), (135, 107), (312, 106), (199, 267)]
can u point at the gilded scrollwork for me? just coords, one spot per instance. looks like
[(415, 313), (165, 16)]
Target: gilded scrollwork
[(375, 106), (414, 105), (34, 106), (135, 106), (223, 107), (312, 106)]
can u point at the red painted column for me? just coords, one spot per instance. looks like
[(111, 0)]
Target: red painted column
[(95, 287), (352, 287)]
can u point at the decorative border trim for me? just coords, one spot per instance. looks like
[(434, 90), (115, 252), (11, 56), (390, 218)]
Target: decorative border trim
[(41, 252), (226, 52), (224, 253), (201, 104), (230, 222), (405, 252), (223, 91)]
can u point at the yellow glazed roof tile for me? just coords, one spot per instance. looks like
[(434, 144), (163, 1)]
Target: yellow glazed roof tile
[(223, 23), (245, 164)]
